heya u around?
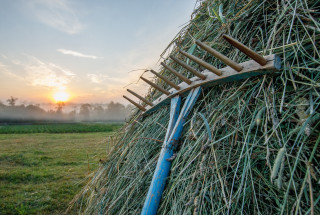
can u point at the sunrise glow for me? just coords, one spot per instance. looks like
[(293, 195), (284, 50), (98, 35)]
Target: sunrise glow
[(61, 96)]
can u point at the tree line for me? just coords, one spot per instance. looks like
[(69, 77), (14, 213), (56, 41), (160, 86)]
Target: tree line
[(11, 112)]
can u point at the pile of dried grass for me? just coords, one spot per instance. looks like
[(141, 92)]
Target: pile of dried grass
[(260, 154)]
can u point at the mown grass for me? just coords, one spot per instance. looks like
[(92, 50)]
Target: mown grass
[(40, 173), (59, 128)]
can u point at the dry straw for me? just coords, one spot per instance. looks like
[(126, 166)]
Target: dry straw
[(261, 128)]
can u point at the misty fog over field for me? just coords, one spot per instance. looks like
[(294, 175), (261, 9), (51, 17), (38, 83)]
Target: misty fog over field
[(12, 111)]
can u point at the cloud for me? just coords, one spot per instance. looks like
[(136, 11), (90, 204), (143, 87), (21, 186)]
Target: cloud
[(47, 74), (6, 70), (57, 14), (35, 72), (100, 78), (3, 66), (59, 68), (4, 56), (77, 54), (94, 78)]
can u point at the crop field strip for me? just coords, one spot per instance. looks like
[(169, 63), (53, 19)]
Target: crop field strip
[(59, 128)]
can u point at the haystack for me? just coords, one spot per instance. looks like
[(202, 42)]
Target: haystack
[(260, 153)]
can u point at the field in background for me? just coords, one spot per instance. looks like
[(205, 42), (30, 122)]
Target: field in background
[(59, 128), (40, 173)]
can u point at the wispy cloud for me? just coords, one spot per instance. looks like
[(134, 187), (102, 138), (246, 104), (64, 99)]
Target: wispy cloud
[(2, 66), (94, 78), (48, 75), (77, 54), (100, 78), (63, 70), (5, 69), (58, 14), (4, 57)]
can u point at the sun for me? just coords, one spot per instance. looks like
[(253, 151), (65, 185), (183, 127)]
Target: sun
[(61, 96)]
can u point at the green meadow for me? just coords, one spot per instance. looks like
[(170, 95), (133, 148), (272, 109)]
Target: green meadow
[(41, 172), (58, 128)]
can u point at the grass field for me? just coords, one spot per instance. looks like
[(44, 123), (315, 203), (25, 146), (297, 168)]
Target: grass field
[(58, 128), (40, 173)]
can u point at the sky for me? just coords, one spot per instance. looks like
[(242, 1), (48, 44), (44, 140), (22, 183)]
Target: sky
[(86, 48)]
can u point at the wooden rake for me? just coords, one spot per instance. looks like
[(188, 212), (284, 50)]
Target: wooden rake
[(259, 65)]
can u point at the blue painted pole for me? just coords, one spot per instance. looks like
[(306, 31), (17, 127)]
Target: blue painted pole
[(174, 131), (174, 114)]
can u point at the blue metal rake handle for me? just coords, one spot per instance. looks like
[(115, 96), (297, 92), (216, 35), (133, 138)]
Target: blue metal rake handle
[(174, 131)]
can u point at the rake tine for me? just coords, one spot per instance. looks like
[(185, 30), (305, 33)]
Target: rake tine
[(156, 86), (202, 63), (140, 97), (165, 80), (135, 104), (189, 68), (173, 71), (246, 50), (220, 56)]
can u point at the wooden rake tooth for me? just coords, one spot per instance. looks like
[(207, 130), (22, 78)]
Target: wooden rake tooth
[(156, 86), (173, 71), (220, 56), (202, 63), (135, 104), (246, 50), (140, 97), (189, 68), (165, 80)]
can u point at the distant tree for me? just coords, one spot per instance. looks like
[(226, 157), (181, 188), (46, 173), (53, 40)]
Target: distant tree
[(34, 109), (72, 114), (98, 113), (85, 111), (115, 111), (12, 101), (98, 109), (59, 107)]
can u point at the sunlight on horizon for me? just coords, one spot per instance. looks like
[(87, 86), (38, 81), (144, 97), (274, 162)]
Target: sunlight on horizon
[(61, 96)]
